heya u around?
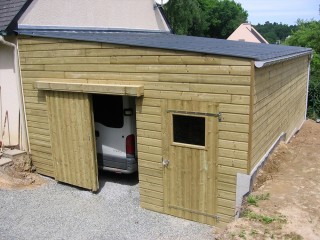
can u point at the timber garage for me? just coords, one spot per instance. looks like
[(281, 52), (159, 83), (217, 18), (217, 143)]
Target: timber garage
[(208, 111)]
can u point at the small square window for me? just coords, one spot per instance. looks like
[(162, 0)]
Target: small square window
[(189, 130)]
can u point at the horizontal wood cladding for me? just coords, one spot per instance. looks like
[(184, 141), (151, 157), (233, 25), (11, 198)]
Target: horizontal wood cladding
[(279, 103), (164, 74)]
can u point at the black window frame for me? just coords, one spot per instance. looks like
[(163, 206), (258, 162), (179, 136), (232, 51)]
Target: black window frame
[(200, 144)]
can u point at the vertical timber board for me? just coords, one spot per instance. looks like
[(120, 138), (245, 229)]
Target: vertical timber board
[(74, 157), (190, 178)]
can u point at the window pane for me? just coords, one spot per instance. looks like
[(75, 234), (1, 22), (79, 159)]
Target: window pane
[(108, 110), (189, 130)]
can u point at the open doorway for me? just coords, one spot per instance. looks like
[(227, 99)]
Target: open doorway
[(115, 133)]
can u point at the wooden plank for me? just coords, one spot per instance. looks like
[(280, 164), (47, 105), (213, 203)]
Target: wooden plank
[(149, 134), (205, 78), (231, 170), (151, 172), (226, 195), (126, 90), (224, 89), (32, 67), (150, 157), (150, 193), (242, 146), (149, 149), (240, 99), (149, 142), (188, 96), (56, 53), (36, 130), (231, 179), (181, 60), (233, 136), (38, 148), (39, 137), (227, 187), (150, 164), (136, 51), (226, 203), (234, 127), (35, 112), (235, 118), (232, 108), (59, 46), (150, 179), (236, 163), (241, 155), (36, 106), (148, 126), (151, 207), (71, 122), (42, 74), (34, 124), (184, 69), (67, 60), (151, 200), (44, 172)]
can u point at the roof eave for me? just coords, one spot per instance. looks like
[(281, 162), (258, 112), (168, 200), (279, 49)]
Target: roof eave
[(265, 63)]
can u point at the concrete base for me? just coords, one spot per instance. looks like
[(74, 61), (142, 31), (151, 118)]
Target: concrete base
[(13, 153), (4, 161)]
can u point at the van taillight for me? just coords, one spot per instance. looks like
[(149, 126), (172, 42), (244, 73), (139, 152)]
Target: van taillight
[(130, 145)]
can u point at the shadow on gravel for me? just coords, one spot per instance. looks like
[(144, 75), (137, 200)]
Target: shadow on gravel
[(123, 179)]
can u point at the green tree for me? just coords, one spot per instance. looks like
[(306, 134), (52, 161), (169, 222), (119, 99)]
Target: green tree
[(186, 17), (210, 18), (224, 17), (308, 35), (273, 32)]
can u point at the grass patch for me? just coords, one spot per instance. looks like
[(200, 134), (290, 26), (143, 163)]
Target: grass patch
[(263, 218), (242, 234), (254, 199)]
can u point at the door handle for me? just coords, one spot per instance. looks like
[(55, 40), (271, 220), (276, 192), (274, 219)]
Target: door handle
[(165, 162)]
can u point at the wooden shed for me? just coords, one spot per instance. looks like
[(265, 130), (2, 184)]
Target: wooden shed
[(208, 111)]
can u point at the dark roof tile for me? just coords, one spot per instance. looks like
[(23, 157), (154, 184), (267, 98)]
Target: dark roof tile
[(9, 10), (255, 51)]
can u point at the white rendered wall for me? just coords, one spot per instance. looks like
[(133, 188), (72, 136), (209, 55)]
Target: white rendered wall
[(105, 14), (9, 95)]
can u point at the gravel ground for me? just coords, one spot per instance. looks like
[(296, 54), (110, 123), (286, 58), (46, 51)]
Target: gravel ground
[(58, 211)]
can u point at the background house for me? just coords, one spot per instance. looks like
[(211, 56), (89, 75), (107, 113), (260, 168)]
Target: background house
[(11, 104), (247, 33)]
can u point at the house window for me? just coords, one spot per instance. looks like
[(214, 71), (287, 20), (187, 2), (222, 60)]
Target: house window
[(189, 130)]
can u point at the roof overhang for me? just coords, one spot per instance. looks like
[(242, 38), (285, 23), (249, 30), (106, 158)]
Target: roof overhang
[(111, 89), (261, 64)]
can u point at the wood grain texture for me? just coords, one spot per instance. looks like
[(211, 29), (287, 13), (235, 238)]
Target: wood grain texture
[(279, 104), (73, 142), (211, 83)]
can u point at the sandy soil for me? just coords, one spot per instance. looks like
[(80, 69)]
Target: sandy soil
[(18, 175), (292, 179)]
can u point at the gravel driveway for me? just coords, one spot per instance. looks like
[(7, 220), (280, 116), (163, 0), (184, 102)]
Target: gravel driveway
[(58, 211)]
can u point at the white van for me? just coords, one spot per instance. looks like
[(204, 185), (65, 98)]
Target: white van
[(115, 130)]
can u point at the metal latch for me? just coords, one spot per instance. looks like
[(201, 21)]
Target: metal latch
[(165, 162)]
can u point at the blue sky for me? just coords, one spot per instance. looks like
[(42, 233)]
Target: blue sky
[(285, 11)]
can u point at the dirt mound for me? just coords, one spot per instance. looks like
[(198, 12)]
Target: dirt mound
[(291, 180), (19, 175)]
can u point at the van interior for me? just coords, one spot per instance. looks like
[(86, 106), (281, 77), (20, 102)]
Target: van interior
[(115, 132)]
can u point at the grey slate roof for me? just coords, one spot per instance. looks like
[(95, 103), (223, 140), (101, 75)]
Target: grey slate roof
[(10, 11), (255, 51)]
